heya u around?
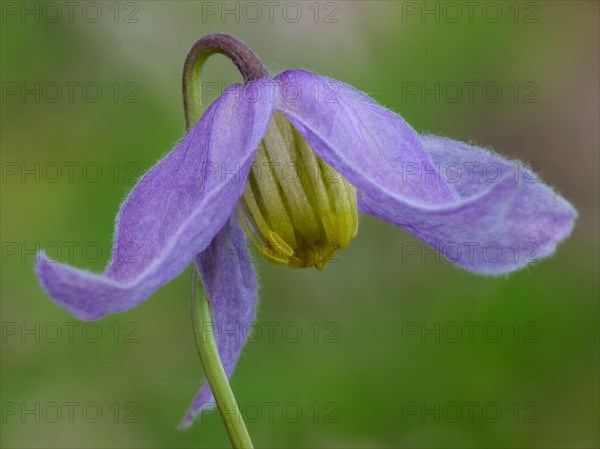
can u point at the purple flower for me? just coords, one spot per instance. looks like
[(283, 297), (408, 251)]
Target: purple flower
[(286, 162)]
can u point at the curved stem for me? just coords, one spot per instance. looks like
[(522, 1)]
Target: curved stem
[(213, 368), (245, 60), (251, 69)]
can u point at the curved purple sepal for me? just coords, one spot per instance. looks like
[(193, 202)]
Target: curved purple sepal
[(486, 226), (174, 211), (505, 218), (230, 282)]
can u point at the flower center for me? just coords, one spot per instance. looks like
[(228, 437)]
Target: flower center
[(296, 209)]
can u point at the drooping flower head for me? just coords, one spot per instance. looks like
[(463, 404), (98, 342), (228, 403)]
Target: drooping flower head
[(286, 163)]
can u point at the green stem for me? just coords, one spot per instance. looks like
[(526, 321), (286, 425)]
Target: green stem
[(213, 368), (251, 69), (244, 59)]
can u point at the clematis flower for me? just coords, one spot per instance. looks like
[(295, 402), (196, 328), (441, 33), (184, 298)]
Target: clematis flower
[(286, 163)]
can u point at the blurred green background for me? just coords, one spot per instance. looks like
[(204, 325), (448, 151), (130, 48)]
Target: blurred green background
[(378, 362)]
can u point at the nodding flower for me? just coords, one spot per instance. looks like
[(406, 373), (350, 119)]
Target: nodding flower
[(286, 162)]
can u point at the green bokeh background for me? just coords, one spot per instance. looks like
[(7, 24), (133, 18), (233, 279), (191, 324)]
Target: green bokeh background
[(364, 370)]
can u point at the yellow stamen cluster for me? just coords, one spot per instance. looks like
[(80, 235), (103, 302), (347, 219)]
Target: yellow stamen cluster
[(296, 209)]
